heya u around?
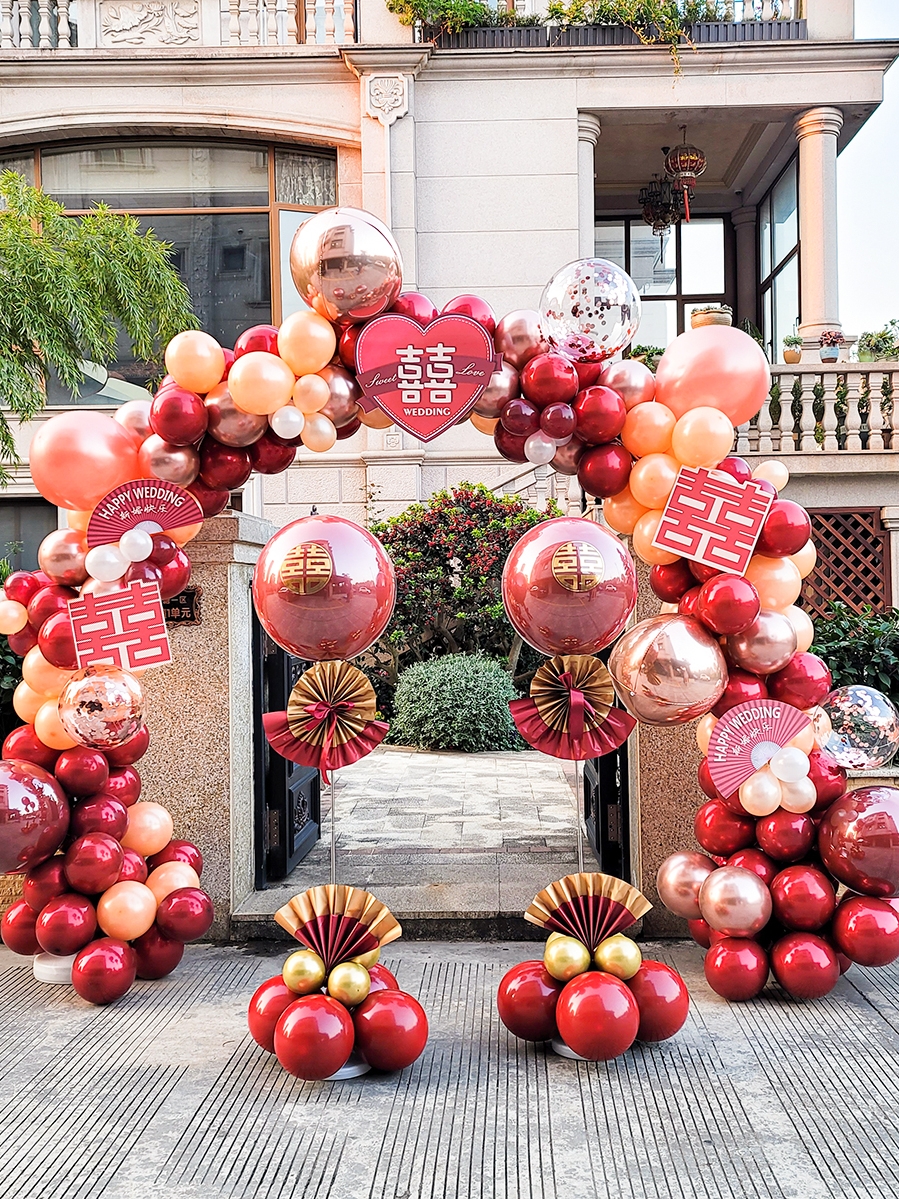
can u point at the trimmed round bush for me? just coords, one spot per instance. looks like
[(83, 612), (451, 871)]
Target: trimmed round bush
[(458, 701)]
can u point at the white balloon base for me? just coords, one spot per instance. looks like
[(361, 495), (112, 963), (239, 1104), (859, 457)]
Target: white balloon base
[(353, 1067), (49, 968), (562, 1050)]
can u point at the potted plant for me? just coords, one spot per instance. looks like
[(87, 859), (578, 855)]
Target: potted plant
[(712, 314), (882, 346), (792, 348), (648, 355), (830, 342)]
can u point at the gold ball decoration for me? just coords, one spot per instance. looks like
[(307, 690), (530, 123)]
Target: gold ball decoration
[(566, 957), (618, 955), (304, 972), (349, 983), (368, 959)]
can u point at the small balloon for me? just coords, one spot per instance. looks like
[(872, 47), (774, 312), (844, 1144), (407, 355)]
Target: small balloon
[(319, 434), (735, 902), (632, 379), (766, 646), (306, 342), (163, 460), (195, 360), (61, 557), (774, 472), (539, 448), (136, 545), (519, 338), (761, 794), (229, 424), (702, 437), (287, 422)]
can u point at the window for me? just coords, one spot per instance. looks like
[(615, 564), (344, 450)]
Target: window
[(689, 266), (779, 262), (24, 523)]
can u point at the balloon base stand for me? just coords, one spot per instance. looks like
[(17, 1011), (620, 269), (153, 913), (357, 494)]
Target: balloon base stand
[(48, 968), (562, 1050), (354, 1067)]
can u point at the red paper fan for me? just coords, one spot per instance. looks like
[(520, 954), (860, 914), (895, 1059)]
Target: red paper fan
[(145, 503), (338, 922), (590, 907), (747, 737)]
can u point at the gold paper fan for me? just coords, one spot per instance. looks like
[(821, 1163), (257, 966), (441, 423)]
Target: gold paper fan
[(590, 907), (339, 922)]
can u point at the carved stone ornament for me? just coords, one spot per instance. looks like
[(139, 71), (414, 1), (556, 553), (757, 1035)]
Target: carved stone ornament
[(149, 23), (387, 97)]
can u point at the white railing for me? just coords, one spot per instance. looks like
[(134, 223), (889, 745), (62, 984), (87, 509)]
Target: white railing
[(19, 30), (277, 22), (539, 484)]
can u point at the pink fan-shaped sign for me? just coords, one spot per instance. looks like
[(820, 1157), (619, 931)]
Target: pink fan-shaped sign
[(151, 504), (747, 737)]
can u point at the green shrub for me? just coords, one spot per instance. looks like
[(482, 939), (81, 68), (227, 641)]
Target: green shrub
[(860, 647), (458, 701)]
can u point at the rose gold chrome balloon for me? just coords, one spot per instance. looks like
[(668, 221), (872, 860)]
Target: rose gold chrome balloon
[(767, 645), (668, 670), (501, 387), (518, 337), (735, 901), (135, 417), (346, 265), (345, 395), (61, 556), (162, 460), (102, 707), (633, 380), (228, 424), (568, 456), (679, 880)]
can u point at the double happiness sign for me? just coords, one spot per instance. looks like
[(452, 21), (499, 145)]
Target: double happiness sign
[(425, 379)]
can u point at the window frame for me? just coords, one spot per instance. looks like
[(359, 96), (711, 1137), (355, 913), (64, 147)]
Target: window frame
[(766, 286)]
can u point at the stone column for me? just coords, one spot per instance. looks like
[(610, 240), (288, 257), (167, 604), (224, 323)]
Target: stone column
[(588, 131), (890, 518), (817, 131), (744, 223)]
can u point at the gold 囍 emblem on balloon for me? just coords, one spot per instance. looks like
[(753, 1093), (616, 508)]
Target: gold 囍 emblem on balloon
[(578, 566), (307, 569)]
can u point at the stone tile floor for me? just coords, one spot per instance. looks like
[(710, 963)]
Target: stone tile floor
[(164, 1094)]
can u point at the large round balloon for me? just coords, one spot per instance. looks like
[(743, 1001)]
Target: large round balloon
[(714, 367), (101, 707), (859, 840), (77, 457), (526, 1001), (324, 588), (589, 310), (34, 815), (346, 265), (865, 727), (569, 586), (668, 670)]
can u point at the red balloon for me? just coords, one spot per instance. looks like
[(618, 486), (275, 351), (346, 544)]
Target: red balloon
[(57, 642), (175, 576), (803, 682), (866, 930), (391, 1030), (672, 580), (662, 1000), (604, 470), (93, 863), (727, 604), (134, 868), (510, 445), (124, 784), (104, 970), (229, 362), (803, 899), (736, 968), (17, 928), (185, 915), (786, 529), (557, 420), (526, 1001), (805, 965), (20, 643), (600, 414), (224, 466), (314, 1036), (212, 500), (156, 955), (164, 549), (520, 417), (829, 777), (704, 778), (737, 468), (20, 586), (143, 572), (346, 343), (269, 1002), (597, 1016), (785, 836), (66, 924), (131, 750), (349, 429), (382, 979), (549, 379), (99, 814), (479, 310), (756, 861), (270, 455), (588, 373), (858, 840), (686, 605), (46, 603), (178, 415), (412, 304), (44, 882), (179, 851), (262, 338), (721, 831), (702, 572), (23, 743), (82, 771), (844, 962), (700, 932), (34, 815), (742, 686), (733, 803)]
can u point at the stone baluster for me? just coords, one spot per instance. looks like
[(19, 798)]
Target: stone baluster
[(766, 445), (728, 10), (43, 25), (251, 10), (768, 11), (26, 40), (233, 22), (329, 22), (349, 22), (890, 421), (270, 12), (830, 416), (786, 10), (875, 414), (293, 33), (743, 439), (541, 485), (63, 29), (853, 419), (807, 423), (6, 25), (310, 28), (787, 423)]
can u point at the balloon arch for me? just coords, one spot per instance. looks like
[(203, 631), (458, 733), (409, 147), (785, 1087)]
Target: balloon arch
[(109, 895)]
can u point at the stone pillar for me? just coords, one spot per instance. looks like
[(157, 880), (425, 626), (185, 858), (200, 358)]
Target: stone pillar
[(817, 131), (890, 518), (744, 223), (588, 131)]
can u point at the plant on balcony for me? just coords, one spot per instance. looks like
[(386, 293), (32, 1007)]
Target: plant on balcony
[(792, 342), (711, 314), (452, 16), (882, 346), (654, 22), (649, 355), (67, 288), (831, 337), (860, 646)]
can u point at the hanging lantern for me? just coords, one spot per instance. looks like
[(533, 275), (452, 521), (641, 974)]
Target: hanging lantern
[(661, 205), (684, 164)]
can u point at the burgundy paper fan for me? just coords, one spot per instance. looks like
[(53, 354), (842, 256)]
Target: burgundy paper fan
[(145, 503), (339, 922), (590, 907)]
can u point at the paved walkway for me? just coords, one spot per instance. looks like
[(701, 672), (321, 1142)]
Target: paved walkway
[(165, 1095)]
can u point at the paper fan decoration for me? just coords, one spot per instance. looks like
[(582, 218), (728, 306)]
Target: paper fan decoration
[(747, 737), (590, 907), (570, 711), (151, 504), (339, 922), (330, 719)]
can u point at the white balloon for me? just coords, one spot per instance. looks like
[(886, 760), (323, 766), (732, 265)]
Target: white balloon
[(560, 441), (539, 449), (136, 545), (789, 764), (287, 422), (774, 472), (106, 563), (798, 797)]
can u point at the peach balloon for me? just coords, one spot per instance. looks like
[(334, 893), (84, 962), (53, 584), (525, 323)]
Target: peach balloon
[(714, 367), (260, 383), (702, 437), (150, 828), (773, 472), (805, 559), (704, 729), (802, 623), (647, 430), (195, 360), (644, 531), (79, 520), (135, 417), (632, 379), (77, 457), (48, 727), (187, 533), (13, 617), (804, 740), (652, 478), (800, 796), (777, 581), (171, 876), (621, 512), (667, 609), (483, 424), (761, 794), (311, 393), (376, 419), (160, 459), (319, 433), (306, 342), (41, 676), (126, 910), (27, 703), (61, 557)]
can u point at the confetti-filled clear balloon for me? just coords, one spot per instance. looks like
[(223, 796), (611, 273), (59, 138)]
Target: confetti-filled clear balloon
[(590, 310), (102, 707), (865, 727)]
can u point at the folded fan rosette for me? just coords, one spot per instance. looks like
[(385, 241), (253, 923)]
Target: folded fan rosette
[(338, 922), (330, 719), (569, 713), (590, 907)]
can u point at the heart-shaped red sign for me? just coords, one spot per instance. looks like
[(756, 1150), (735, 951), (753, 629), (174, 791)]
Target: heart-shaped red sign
[(425, 379)]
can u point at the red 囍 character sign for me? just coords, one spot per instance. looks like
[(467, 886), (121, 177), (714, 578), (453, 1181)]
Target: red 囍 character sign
[(711, 519), (125, 629)]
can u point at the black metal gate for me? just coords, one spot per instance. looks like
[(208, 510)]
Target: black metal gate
[(606, 812)]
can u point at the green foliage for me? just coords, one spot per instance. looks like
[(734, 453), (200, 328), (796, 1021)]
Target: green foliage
[(793, 341), (655, 22), (67, 287), (713, 308), (649, 355), (881, 346), (860, 647), (459, 701), (451, 16), (10, 677)]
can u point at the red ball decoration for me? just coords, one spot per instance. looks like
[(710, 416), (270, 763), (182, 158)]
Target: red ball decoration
[(662, 1000), (736, 968), (737, 468), (20, 643), (156, 955), (866, 930), (520, 417), (604, 470), (526, 1001), (597, 1016), (24, 744), (721, 831), (224, 467), (686, 605), (786, 529), (46, 603), (258, 338), (600, 414), (700, 932), (829, 777), (124, 784), (212, 500), (134, 868), (557, 421), (785, 836), (104, 970), (164, 549), (756, 861), (742, 686), (702, 572), (510, 445), (20, 586), (130, 751), (57, 641), (175, 576), (270, 1000), (391, 1030), (66, 924), (479, 310), (549, 379), (727, 604), (412, 304), (93, 863), (382, 979), (44, 882), (805, 965), (34, 815), (185, 915), (858, 840), (142, 572), (178, 415), (82, 771), (671, 580), (803, 899), (179, 851), (704, 778), (99, 814), (270, 455), (17, 928), (346, 344), (803, 682), (314, 1037)]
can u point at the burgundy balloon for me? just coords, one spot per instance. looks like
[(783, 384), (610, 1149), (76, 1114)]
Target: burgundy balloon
[(131, 751), (803, 682), (567, 457), (558, 420), (604, 470), (736, 968), (805, 965), (223, 466), (785, 836), (737, 468), (766, 486), (57, 641), (44, 882), (17, 928), (510, 445), (21, 586), (104, 970), (270, 1000), (47, 602), (526, 1001), (348, 430), (212, 500), (479, 310), (178, 851), (412, 304), (866, 930), (34, 815), (721, 831), (346, 345), (520, 417), (178, 415), (829, 777), (382, 979), (742, 686), (20, 643), (66, 924), (600, 414), (671, 580), (270, 455), (164, 549), (185, 914), (143, 572), (727, 604), (701, 571), (262, 338), (858, 840), (156, 955), (756, 861), (229, 362), (314, 1036), (134, 868), (100, 814), (93, 863), (686, 605), (549, 379), (803, 898), (597, 1016), (662, 1001), (24, 743), (589, 373), (786, 529), (82, 771), (175, 576), (124, 784)]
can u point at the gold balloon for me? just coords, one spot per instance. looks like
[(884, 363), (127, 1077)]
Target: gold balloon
[(376, 419), (678, 881), (349, 983), (367, 959), (484, 424), (304, 972), (134, 415), (668, 670), (566, 957), (195, 360), (765, 646), (306, 342), (519, 337), (618, 955), (160, 459), (553, 937), (344, 394)]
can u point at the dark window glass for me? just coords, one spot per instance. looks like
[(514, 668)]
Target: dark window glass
[(23, 526)]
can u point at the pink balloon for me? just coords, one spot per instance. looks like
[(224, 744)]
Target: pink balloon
[(632, 379), (714, 367), (77, 457)]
